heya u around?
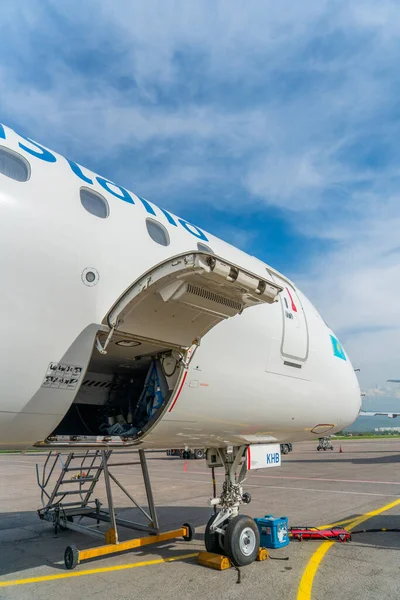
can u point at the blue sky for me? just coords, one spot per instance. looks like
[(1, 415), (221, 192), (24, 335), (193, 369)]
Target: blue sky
[(272, 125)]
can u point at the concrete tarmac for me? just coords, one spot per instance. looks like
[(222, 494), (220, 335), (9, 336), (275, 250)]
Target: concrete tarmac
[(311, 488)]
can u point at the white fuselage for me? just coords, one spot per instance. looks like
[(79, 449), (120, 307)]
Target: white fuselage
[(269, 374)]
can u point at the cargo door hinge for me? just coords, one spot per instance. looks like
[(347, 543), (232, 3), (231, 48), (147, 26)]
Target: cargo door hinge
[(102, 349)]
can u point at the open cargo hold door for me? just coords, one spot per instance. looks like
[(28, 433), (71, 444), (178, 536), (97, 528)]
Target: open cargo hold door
[(174, 304)]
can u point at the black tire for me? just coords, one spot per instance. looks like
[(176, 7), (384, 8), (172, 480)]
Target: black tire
[(325, 448), (191, 532), (71, 557), (285, 449), (198, 453), (211, 538), (318, 448), (242, 540)]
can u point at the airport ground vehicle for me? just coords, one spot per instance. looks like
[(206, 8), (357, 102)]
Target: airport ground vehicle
[(286, 448), (187, 454), (324, 444)]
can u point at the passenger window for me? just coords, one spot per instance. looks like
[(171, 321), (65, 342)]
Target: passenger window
[(13, 165), (157, 232), (94, 203), (204, 248)]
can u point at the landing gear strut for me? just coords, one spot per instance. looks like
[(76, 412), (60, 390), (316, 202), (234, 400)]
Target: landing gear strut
[(227, 531)]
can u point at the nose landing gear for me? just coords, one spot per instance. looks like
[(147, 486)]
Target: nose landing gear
[(228, 532), (324, 444)]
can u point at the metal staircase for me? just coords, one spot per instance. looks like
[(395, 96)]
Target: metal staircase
[(72, 491), (72, 497), (69, 494)]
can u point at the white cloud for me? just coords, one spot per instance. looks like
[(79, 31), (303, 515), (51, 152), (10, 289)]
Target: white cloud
[(382, 397), (385, 391), (357, 288), (291, 182)]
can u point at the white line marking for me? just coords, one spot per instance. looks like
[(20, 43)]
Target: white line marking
[(283, 487), (292, 477)]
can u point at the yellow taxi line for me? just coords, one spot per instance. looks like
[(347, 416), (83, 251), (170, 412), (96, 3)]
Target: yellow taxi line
[(99, 570), (306, 582)]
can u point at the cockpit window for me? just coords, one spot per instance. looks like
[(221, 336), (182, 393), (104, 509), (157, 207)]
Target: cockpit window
[(94, 203), (204, 248), (157, 232), (13, 165)]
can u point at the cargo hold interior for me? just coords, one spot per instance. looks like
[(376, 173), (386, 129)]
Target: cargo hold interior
[(123, 391)]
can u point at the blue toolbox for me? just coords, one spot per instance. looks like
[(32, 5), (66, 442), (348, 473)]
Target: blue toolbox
[(274, 532)]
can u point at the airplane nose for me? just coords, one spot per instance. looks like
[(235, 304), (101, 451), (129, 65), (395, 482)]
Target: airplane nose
[(350, 406)]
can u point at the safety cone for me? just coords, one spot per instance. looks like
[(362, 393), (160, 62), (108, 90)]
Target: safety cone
[(340, 449)]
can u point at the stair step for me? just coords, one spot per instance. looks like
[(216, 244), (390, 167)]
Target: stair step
[(83, 468), (77, 504), (78, 510), (80, 480), (85, 455), (71, 492)]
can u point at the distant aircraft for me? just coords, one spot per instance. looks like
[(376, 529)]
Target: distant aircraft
[(391, 415), (127, 326)]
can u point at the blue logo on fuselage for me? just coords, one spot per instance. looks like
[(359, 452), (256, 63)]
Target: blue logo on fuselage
[(337, 348), (38, 151)]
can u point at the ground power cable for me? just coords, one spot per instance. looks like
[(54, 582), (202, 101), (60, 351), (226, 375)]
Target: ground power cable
[(375, 531)]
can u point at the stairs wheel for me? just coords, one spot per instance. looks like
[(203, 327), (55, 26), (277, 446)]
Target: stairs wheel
[(191, 532), (71, 557)]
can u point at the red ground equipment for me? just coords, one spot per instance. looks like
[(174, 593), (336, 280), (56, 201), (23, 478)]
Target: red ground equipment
[(313, 533)]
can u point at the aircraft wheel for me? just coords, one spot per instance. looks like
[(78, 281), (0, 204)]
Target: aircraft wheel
[(191, 532), (285, 449), (199, 454), (71, 557), (242, 540), (212, 539)]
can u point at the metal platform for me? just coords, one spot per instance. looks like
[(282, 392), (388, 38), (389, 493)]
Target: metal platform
[(72, 496), (69, 497)]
